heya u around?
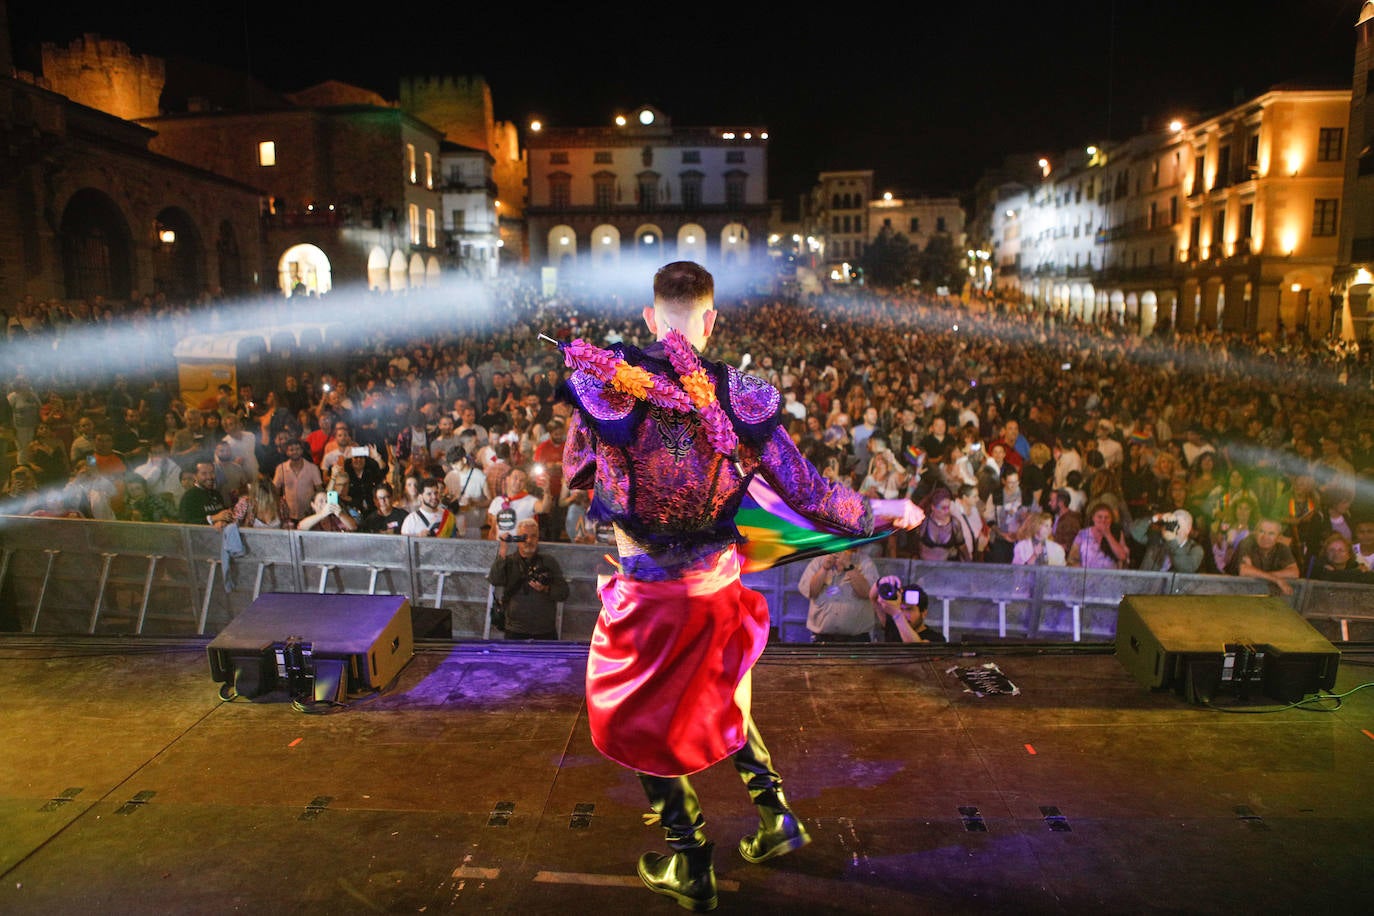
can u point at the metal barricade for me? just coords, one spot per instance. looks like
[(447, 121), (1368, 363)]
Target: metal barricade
[(83, 576)]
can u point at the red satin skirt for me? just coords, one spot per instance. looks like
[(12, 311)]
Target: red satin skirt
[(668, 686)]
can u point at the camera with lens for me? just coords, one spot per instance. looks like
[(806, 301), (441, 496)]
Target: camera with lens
[(538, 575), (1167, 522), (888, 591)]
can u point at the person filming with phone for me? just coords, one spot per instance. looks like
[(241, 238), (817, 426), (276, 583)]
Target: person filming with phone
[(837, 586), (531, 585), (903, 611)]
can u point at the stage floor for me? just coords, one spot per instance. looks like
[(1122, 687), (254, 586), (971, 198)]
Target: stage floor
[(471, 785)]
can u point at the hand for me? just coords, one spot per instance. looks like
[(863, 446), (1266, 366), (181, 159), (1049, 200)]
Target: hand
[(899, 513)]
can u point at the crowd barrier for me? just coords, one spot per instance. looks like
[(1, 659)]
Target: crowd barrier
[(61, 576)]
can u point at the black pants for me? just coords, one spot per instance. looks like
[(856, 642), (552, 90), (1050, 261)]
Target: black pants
[(676, 803)]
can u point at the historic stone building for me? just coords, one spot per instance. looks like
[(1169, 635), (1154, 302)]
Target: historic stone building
[(461, 108), (1353, 279), (88, 209), (1228, 221), (837, 217), (645, 192)]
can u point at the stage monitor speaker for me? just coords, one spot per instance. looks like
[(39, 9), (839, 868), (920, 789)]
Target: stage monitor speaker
[(328, 646), (1201, 645)]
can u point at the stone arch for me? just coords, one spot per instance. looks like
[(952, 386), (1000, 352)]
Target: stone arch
[(432, 272), (397, 271), (97, 247), (1212, 304), (229, 261), (1115, 307), (178, 255), (1300, 305), (415, 272), (1149, 312), (377, 269), (304, 270), (605, 246), (648, 243), (691, 243), (562, 246), (734, 245)]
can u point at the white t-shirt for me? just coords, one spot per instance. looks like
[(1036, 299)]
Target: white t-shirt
[(465, 483), (421, 520), (523, 508)]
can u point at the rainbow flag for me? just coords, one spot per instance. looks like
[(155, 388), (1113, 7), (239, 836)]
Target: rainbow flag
[(448, 524), (776, 533)]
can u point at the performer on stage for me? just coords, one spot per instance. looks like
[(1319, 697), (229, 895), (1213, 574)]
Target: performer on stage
[(669, 443)]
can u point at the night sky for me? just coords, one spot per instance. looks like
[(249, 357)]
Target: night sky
[(929, 99)]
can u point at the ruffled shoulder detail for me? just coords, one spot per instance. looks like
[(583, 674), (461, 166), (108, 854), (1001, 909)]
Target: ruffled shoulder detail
[(597, 399), (613, 414), (754, 404)]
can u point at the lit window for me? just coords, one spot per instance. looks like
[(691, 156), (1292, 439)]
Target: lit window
[(267, 153), (415, 224), (410, 161), (429, 170), (431, 237)]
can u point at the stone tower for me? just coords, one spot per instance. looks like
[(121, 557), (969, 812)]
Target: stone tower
[(460, 106), (104, 74)]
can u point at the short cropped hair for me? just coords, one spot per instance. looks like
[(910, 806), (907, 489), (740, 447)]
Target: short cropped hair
[(683, 281)]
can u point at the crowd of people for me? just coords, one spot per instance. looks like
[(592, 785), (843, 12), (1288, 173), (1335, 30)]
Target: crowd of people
[(1027, 438)]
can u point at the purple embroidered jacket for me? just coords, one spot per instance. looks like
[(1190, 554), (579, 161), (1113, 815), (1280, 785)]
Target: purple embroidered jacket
[(670, 494)]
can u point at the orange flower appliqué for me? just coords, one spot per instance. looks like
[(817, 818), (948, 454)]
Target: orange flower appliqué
[(633, 380), (699, 387)]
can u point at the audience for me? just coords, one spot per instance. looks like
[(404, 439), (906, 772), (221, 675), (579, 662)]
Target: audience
[(980, 423)]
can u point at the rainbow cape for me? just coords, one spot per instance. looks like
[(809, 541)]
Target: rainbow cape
[(775, 533)]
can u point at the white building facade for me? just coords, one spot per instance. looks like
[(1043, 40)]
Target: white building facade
[(643, 192)]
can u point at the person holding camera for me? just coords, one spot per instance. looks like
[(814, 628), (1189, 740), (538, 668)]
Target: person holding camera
[(902, 609), (1168, 541), (327, 514), (531, 584), (837, 586)]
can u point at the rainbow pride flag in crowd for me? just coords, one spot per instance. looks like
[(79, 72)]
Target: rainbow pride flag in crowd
[(777, 534)]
